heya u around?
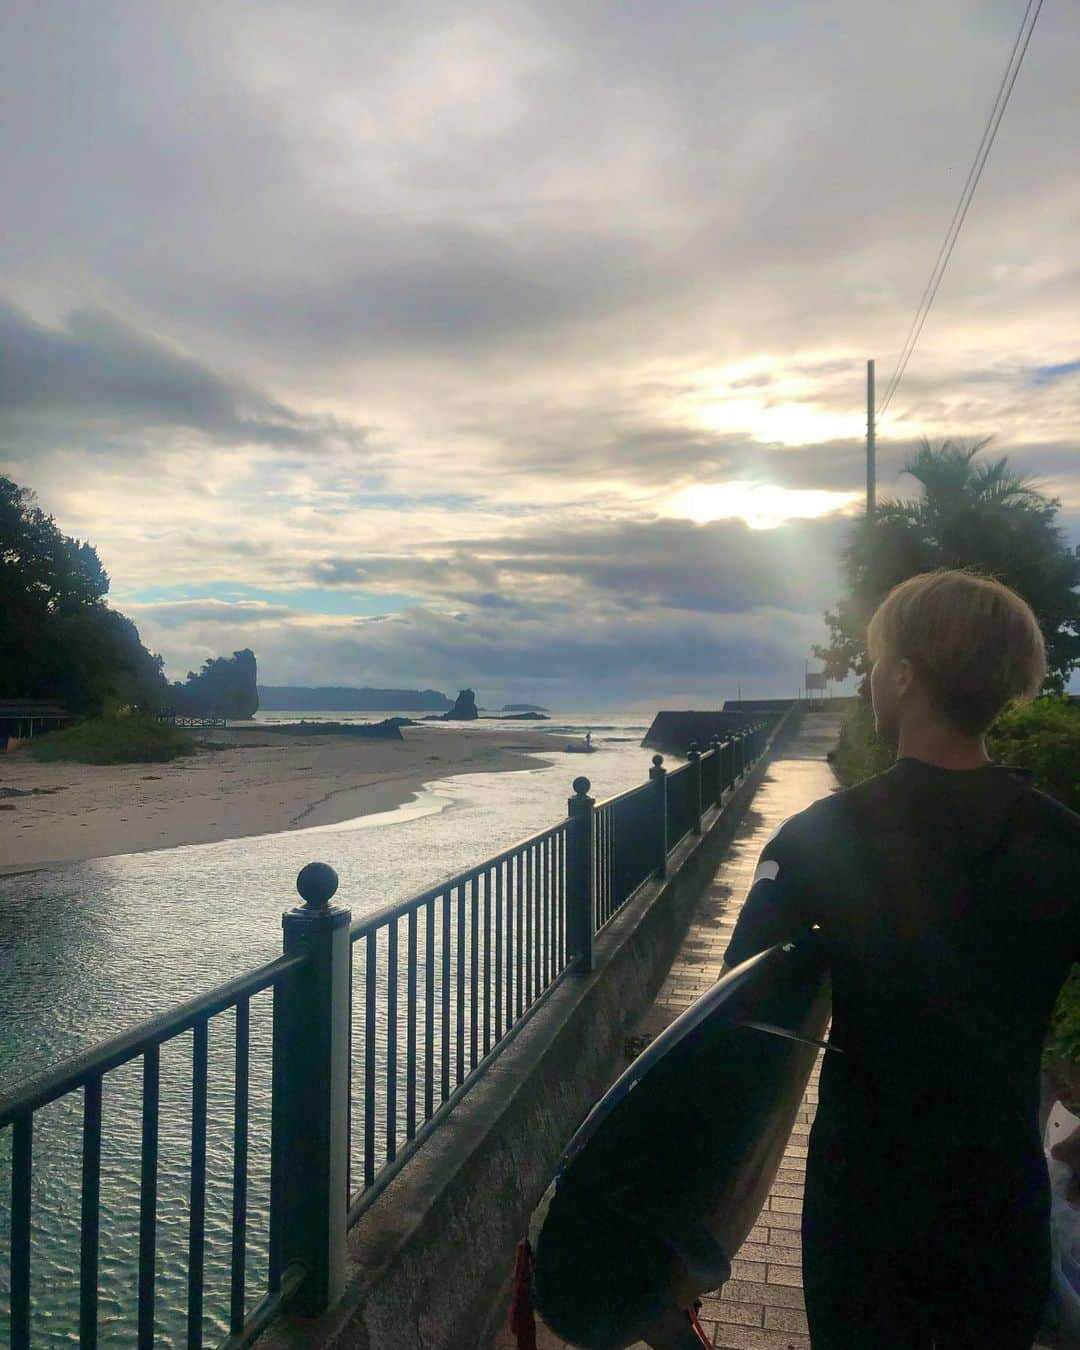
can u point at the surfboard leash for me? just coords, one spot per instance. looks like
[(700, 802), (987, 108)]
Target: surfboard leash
[(691, 1312), (522, 1319)]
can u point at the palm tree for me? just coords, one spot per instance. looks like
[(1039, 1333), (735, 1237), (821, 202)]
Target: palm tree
[(982, 516)]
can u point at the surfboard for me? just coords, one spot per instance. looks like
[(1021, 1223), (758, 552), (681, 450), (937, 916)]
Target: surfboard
[(659, 1187)]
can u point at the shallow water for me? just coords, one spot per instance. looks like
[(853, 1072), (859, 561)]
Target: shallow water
[(91, 949)]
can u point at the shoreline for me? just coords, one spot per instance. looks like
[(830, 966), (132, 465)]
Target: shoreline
[(251, 782)]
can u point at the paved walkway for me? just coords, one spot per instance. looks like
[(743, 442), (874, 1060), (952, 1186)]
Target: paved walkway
[(761, 1306)]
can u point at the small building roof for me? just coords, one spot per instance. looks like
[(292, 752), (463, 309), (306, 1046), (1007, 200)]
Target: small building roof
[(31, 707)]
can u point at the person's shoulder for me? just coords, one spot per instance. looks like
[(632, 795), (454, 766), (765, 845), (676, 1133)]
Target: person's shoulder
[(1038, 810)]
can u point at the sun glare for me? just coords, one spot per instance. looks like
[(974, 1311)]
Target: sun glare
[(780, 423), (761, 505)]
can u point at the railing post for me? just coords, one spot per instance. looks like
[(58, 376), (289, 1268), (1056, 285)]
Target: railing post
[(740, 754), (580, 874), (310, 1112), (694, 756), (718, 776), (658, 774)]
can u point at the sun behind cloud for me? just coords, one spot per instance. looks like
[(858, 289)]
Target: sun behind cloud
[(762, 505)]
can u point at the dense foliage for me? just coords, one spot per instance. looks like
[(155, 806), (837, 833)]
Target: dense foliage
[(981, 516), (225, 687), (114, 740), (59, 640)]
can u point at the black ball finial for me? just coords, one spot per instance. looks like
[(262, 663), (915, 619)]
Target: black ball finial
[(658, 760), (581, 786), (317, 883)]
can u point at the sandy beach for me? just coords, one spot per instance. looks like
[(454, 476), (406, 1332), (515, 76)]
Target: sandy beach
[(258, 782)]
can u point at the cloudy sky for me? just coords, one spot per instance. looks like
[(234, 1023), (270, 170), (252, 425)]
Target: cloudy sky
[(518, 345)]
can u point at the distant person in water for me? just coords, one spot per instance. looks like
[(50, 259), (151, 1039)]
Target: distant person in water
[(588, 740), (945, 891)]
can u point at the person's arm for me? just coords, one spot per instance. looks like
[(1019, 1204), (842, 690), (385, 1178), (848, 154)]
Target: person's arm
[(778, 906)]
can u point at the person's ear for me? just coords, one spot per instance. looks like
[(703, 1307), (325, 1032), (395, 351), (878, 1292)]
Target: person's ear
[(905, 674)]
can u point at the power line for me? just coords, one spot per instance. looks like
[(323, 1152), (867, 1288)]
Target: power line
[(960, 214)]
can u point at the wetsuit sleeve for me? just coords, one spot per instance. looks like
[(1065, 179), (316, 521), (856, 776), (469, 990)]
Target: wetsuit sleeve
[(779, 905)]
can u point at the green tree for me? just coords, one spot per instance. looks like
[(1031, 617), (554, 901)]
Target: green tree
[(58, 637), (982, 516)]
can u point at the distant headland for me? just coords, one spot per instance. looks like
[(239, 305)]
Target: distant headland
[(335, 698)]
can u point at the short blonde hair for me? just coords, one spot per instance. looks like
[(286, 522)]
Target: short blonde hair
[(975, 642)]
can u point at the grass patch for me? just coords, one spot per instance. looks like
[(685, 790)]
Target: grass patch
[(113, 740)]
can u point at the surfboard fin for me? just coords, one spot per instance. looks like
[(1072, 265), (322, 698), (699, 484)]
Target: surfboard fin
[(790, 1035)]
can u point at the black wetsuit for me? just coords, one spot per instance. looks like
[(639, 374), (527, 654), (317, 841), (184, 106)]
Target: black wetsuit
[(948, 903)]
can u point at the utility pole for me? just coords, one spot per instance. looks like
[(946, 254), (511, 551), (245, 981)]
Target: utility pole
[(870, 446)]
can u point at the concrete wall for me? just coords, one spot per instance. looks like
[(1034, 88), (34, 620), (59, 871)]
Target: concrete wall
[(430, 1261)]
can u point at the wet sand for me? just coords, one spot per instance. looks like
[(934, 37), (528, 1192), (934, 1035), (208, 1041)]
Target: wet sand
[(258, 782)]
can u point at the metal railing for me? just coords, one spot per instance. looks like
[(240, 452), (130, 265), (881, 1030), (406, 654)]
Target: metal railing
[(378, 1028), (440, 981), (87, 1074)]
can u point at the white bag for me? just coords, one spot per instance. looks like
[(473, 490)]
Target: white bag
[(1063, 1310)]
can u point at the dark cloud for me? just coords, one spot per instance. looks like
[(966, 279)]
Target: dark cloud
[(97, 373), (720, 568)]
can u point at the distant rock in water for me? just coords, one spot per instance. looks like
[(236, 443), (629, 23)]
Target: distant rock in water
[(387, 730), (523, 717), (523, 708), (464, 709)]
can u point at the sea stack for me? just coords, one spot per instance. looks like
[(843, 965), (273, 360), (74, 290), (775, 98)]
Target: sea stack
[(464, 709)]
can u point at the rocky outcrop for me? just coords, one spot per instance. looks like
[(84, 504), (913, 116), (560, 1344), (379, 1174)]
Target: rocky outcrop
[(464, 709), (225, 687)]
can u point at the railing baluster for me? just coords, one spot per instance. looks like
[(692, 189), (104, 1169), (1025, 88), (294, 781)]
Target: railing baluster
[(197, 1218), (371, 992), (444, 1043), (549, 893), (240, 1157), (429, 1011), (22, 1168), (410, 1041), (459, 1002), (510, 941), (545, 930), (498, 951), (519, 978), (391, 1038), (91, 1215), (562, 897), (474, 970), (537, 852), (487, 962), (527, 866), (148, 1196)]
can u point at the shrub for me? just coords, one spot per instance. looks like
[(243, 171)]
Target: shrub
[(859, 752), (1043, 736), (114, 740)]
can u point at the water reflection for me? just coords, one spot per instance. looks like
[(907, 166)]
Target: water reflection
[(89, 950)]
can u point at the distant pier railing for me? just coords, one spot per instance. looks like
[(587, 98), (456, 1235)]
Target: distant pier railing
[(378, 1028)]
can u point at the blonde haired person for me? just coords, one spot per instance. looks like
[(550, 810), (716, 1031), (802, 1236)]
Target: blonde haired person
[(945, 890)]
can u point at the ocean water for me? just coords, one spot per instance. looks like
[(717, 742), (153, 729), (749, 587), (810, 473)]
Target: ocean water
[(91, 949)]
